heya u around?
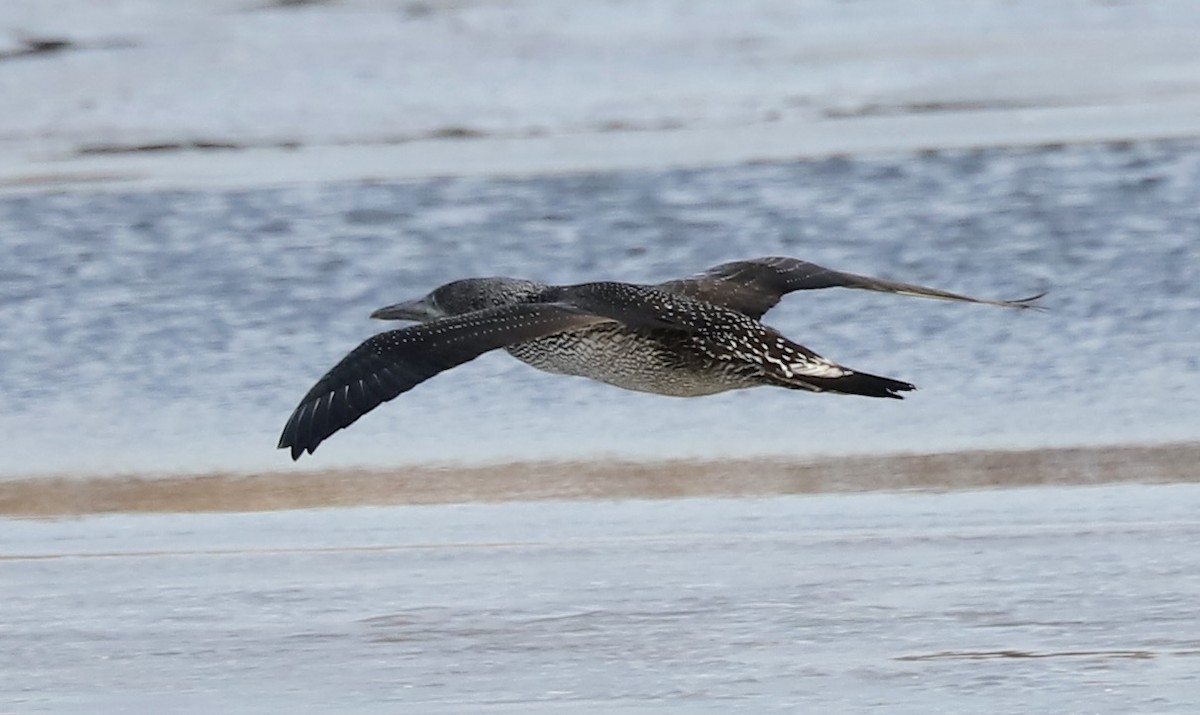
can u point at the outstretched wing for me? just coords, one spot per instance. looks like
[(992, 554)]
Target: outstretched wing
[(755, 286), (397, 361)]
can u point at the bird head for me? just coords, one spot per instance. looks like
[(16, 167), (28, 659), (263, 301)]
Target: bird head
[(460, 297)]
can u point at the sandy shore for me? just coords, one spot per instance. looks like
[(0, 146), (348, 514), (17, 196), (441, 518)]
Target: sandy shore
[(607, 479)]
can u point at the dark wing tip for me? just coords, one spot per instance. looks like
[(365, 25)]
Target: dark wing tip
[(285, 441), (348, 391), (394, 362), (291, 436), (1028, 303), (288, 440)]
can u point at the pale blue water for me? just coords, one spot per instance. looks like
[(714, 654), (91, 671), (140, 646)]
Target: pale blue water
[(1075, 600), (178, 329)]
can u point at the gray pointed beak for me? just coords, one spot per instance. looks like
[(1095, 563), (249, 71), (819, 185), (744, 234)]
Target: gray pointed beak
[(418, 310)]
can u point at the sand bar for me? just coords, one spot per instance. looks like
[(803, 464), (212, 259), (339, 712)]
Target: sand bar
[(600, 479)]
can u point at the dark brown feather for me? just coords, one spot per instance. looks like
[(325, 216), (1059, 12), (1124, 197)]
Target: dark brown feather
[(755, 286)]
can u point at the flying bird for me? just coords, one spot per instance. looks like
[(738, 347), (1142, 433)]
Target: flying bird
[(687, 337)]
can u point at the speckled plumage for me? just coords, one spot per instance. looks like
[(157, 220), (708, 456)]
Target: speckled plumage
[(688, 337), (711, 349)]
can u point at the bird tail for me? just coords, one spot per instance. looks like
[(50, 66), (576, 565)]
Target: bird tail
[(851, 383)]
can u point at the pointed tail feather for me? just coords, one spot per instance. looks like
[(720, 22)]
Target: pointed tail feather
[(852, 383)]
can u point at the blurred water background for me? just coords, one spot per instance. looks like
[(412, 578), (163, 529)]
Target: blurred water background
[(1066, 599), (199, 207), (176, 329)]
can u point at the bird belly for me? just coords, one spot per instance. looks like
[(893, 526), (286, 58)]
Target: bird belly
[(629, 360)]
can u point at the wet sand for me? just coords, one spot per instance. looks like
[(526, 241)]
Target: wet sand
[(599, 479)]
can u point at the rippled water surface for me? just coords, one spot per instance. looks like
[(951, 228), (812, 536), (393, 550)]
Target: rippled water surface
[(1048, 600), (178, 329)]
